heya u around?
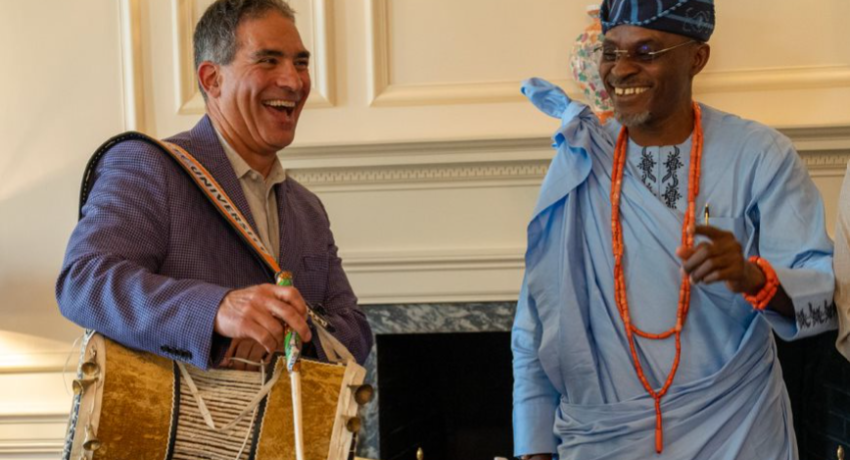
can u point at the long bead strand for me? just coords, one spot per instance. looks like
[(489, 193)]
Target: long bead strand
[(620, 295)]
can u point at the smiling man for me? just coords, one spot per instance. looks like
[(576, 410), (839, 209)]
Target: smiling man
[(665, 248), (152, 265)]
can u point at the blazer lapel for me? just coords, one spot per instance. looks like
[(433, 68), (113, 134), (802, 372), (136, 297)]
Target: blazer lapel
[(207, 149), (289, 253)]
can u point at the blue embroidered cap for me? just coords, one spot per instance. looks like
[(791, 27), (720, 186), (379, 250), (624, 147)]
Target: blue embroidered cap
[(691, 18)]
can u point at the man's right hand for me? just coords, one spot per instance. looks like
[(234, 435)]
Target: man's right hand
[(259, 313)]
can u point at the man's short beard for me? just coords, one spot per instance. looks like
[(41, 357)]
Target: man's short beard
[(632, 120)]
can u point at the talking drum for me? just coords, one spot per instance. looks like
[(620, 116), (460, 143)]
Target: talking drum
[(134, 405)]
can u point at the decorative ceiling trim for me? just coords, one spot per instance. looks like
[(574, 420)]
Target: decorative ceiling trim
[(505, 174), (497, 174), (488, 163)]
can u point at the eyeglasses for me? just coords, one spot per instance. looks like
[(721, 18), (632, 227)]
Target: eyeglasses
[(643, 53)]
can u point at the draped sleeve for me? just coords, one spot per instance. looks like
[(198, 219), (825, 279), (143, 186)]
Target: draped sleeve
[(579, 141)]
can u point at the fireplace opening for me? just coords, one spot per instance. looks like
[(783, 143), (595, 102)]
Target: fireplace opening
[(447, 393)]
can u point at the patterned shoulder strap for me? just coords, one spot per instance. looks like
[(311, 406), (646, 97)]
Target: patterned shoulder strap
[(201, 177), (334, 350)]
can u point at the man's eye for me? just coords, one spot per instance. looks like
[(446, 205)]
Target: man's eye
[(302, 63), (644, 53), (271, 61), (609, 55)]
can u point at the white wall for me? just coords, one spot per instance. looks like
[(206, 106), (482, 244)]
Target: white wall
[(60, 93), (416, 138)]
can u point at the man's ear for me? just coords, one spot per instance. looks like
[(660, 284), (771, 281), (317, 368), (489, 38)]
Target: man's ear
[(209, 77), (701, 56)]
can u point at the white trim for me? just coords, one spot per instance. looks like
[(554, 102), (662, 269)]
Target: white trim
[(384, 93), (433, 260), (783, 79), (373, 267), (49, 361), (806, 139), (418, 152), (777, 79), (377, 20), (490, 162), (131, 65), (189, 99), (489, 295), (48, 445), (504, 174), (15, 449)]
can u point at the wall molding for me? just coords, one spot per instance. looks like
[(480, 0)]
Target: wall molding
[(503, 174), (131, 65), (433, 260), (490, 162), (384, 93), (773, 79), (16, 449), (418, 152), (48, 361), (322, 71), (779, 79), (188, 99), (506, 174), (43, 435)]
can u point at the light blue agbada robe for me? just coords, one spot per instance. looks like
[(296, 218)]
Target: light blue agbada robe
[(576, 391)]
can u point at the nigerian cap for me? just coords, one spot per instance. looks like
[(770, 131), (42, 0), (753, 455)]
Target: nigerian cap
[(691, 18)]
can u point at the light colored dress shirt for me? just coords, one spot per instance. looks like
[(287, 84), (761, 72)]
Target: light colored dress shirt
[(576, 392), (260, 194)]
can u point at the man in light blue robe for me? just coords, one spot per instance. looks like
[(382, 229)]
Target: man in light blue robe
[(576, 391)]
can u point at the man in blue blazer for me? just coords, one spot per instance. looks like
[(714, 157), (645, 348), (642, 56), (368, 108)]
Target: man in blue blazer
[(152, 265)]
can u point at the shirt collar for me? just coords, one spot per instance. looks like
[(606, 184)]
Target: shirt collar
[(242, 168)]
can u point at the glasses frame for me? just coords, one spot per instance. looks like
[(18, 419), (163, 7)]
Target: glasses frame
[(642, 58)]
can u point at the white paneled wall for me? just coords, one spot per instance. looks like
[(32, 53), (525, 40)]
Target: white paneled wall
[(416, 138)]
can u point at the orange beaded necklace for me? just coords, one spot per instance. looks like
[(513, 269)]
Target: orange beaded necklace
[(620, 279)]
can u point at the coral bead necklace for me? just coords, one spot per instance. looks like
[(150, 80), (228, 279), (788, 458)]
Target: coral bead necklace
[(620, 279)]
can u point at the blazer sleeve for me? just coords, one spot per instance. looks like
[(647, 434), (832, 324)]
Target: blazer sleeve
[(109, 281)]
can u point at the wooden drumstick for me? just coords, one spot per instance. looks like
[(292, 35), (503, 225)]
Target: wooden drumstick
[(292, 348), (295, 381)]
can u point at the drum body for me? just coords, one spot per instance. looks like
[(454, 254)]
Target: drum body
[(134, 405)]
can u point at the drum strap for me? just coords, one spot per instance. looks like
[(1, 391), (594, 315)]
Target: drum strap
[(334, 350)]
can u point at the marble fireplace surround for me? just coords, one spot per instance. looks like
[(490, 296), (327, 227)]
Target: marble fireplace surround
[(422, 319)]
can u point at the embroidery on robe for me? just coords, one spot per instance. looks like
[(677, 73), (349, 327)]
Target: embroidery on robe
[(815, 316), (671, 192), (646, 165)]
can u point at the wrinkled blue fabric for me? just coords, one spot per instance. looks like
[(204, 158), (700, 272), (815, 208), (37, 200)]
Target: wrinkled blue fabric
[(576, 392)]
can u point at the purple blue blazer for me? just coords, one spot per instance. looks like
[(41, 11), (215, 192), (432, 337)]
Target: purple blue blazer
[(151, 259)]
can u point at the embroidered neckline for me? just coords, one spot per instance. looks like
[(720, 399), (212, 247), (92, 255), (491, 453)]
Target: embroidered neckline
[(620, 153)]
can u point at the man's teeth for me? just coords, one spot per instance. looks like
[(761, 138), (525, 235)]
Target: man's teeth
[(629, 91), (286, 104)]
